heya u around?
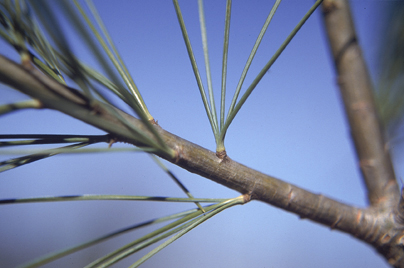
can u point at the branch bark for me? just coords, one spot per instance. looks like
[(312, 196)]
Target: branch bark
[(373, 154), (370, 225), (356, 90), (381, 225)]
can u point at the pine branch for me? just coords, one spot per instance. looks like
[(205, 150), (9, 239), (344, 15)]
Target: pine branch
[(372, 152), (381, 225), (356, 91), (362, 223)]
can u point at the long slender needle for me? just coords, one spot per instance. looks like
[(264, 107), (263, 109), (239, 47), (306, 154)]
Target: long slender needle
[(176, 180), (224, 62), (194, 66), (252, 54), (207, 65), (264, 70), (131, 84)]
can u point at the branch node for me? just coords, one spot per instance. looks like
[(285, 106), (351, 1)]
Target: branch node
[(400, 241), (178, 154), (112, 141), (247, 197), (251, 192), (358, 217), (329, 6), (335, 223), (385, 239), (290, 196), (26, 61), (39, 103), (399, 215), (221, 154), (367, 163), (154, 122), (360, 106)]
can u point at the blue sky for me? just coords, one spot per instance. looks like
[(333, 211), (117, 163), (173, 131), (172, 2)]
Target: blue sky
[(292, 127)]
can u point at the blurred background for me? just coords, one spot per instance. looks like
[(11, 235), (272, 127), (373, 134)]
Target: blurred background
[(292, 127)]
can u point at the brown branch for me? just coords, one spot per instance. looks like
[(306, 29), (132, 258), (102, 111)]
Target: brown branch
[(373, 154), (356, 90), (372, 226)]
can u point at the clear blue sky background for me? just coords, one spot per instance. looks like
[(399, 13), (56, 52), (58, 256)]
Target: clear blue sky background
[(292, 127)]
